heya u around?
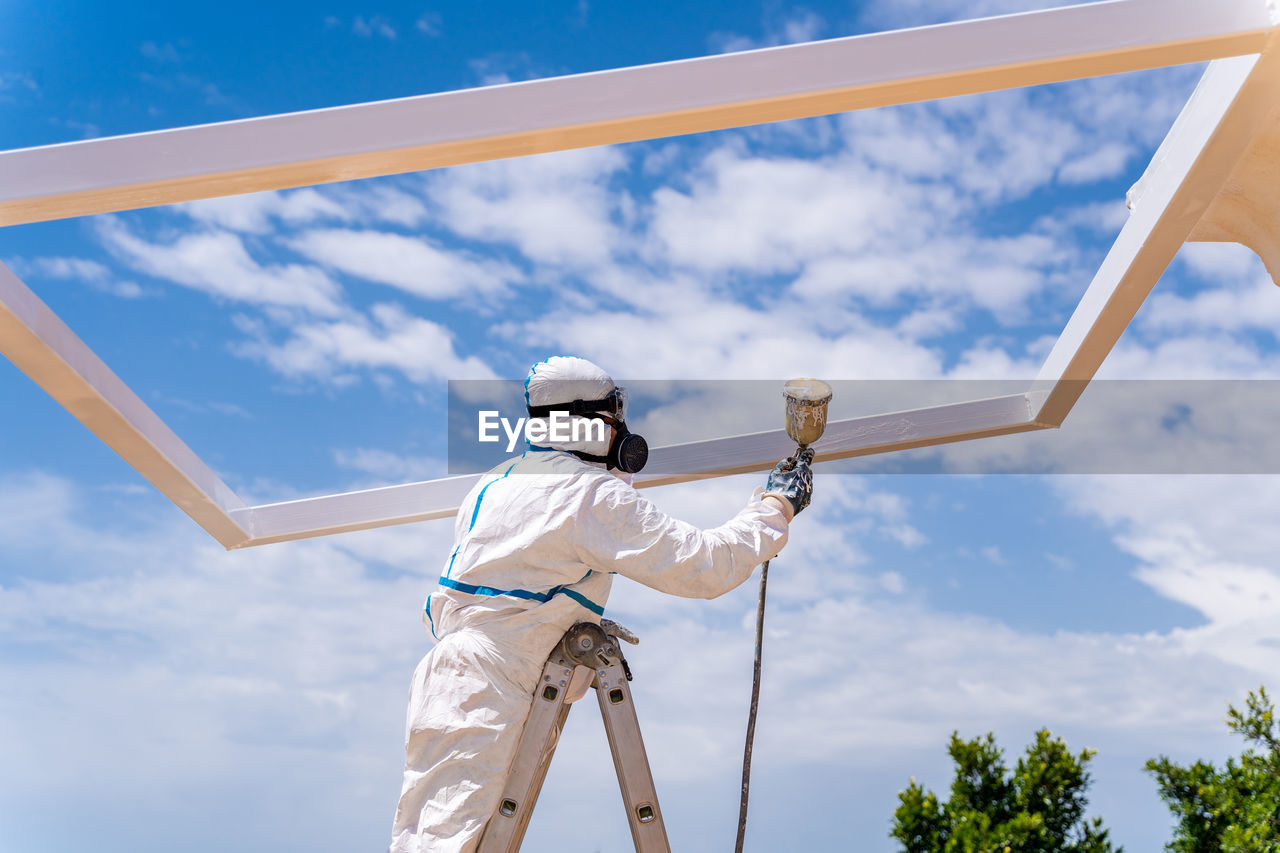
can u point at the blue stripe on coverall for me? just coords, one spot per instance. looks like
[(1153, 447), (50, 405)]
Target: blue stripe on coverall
[(475, 512), (472, 589), (454, 555), (544, 597)]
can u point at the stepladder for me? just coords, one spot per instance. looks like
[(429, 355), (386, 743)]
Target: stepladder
[(587, 656)]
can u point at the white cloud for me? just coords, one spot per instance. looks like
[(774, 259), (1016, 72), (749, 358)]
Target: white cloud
[(1059, 562), (70, 268), (1205, 355), (767, 214), (687, 333), (995, 146), (914, 13), (906, 535), (375, 25), (280, 663), (987, 359), (1206, 426), (367, 202), (90, 272), (329, 340), (429, 24), (17, 80), (385, 200), (287, 665), (887, 217), (388, 466), (1103, 218), (1219, 264), (799, 26), (1107, 161), (928, 322), (218, 263), (1005, 145), (34, 508), (1207, 542), (555, 209), (204, 407), (255, 212), (1234, 294), (1217, 310), (413, 264), (388, 338), (804, 25), (893, 582), (164, 53)]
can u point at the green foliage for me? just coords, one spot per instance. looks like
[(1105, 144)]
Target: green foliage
[(1236, 809), (1038, 808)]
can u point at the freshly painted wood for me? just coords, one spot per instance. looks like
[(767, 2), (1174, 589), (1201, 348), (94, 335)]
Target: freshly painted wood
[(44, 348), (1234, 103), (1246, 209), (622, 105), (348, 511), (679, 463)]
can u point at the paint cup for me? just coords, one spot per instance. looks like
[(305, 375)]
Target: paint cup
[(807, 401)]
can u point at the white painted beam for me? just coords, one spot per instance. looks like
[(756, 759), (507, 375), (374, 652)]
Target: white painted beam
[(363, 510), (1234, 103), (681, 463), (41, 346), (644, 102), (844, 439)]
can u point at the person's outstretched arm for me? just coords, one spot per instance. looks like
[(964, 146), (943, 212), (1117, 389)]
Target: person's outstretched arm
[(619, 530)]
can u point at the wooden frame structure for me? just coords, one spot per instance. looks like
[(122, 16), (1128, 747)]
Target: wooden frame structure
[(1234, 104)]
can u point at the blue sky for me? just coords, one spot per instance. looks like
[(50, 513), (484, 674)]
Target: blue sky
[(159, 692)]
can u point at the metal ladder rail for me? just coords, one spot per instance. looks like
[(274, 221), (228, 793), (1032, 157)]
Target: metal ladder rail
[(586, 656)]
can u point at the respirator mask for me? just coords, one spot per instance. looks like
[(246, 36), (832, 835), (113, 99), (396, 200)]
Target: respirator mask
[(628, 452)]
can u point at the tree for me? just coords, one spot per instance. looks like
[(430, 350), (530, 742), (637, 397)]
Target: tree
[(1039, 808), (1236, 809)]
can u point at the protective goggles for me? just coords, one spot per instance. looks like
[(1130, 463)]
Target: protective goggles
[(614, 406)]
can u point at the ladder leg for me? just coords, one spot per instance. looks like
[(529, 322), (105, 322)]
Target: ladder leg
[(551, 703), (634, 776), (586, 655)]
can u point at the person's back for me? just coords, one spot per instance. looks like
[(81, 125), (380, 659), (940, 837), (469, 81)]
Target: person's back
[(516, 566)]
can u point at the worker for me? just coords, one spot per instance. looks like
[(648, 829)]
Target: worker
[(537, 542)]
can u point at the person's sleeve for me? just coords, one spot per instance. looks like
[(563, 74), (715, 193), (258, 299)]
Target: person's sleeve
[(618, 530)]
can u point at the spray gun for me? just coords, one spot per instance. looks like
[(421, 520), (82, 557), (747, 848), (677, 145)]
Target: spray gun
[(806, 420)]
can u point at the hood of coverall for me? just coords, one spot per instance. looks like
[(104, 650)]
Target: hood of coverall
[(563, 379)]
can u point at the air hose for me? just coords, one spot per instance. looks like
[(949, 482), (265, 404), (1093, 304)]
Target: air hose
[(806, 420), (751, 716)]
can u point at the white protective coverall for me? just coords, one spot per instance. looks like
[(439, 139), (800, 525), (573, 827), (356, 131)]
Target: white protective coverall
[(537, 542)]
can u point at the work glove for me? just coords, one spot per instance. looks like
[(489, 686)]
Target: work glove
[(792, 480)]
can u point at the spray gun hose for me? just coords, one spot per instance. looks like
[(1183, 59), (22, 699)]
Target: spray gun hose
[(806, 419), (751, 717)]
